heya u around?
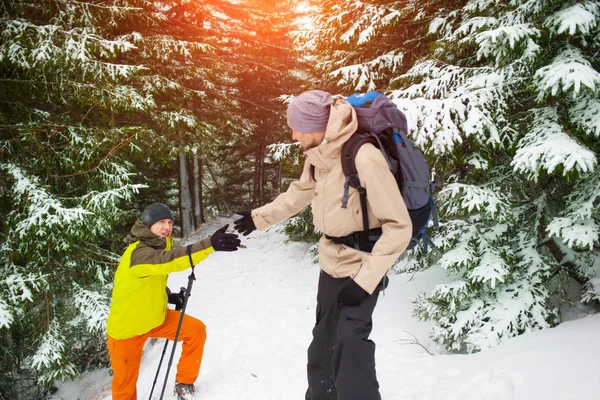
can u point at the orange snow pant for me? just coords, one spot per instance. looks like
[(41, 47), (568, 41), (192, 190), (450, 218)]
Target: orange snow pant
[(126, 354)]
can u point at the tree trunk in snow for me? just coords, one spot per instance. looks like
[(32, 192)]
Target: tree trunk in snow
[(279, 177), (197, 189), (259, 173), (185, 198), (221, 193)]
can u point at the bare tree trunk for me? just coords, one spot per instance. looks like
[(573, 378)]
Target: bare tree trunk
[(279, 177), (261, 173), (197, 189), (185, 197), (259, 164), (219, 187)]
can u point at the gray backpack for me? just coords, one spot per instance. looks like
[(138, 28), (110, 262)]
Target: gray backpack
[(382, 124)]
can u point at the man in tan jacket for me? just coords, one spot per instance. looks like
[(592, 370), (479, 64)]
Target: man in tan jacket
[(341, 357)]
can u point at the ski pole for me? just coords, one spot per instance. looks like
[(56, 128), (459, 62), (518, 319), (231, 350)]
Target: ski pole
[(191, 279), (162, 356)]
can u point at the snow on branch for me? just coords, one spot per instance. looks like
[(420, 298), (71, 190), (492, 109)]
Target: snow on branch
[(581, 234), (6, 316), (50, 349), (177, 119), (366, 73), (568, 71), (491, 267), (93, 307), (165, 48), (48, 358), (499, 41), (460, 256), (585, 113), (43, 209), (479, 5), (475, 24), (52, 41), (515, 308), (100, 201), (449, 102), (452, 292), (456, 238), (546, 146), (578, 18), (280, 151), (455, 231), (579, 225), (529, 258), (370, 20), (19, 285), (459, 198), (582, 202)]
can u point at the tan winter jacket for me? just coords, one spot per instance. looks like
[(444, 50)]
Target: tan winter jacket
[(385, 207)]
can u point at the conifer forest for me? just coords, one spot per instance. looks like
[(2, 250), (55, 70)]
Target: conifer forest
[(109, 105)]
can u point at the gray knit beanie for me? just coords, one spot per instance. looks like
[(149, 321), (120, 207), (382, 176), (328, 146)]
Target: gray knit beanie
[(309, 112), (156, 212)]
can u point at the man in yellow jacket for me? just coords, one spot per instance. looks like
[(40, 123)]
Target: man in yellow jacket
[(341, 357), (138, 310)]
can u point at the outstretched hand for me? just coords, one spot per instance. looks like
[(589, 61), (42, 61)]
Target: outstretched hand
[(222, 241), (244, 225)]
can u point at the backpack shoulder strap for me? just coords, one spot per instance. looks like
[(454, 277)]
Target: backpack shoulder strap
[(348, 156), (349, 152)]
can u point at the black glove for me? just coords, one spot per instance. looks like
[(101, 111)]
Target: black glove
[(350, 294), (221, 241), (176, 298), (244, 225)]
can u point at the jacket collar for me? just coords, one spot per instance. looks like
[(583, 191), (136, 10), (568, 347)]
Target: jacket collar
[(341, 125), (140, 232)]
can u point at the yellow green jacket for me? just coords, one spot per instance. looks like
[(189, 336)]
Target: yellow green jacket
[(139, 297)]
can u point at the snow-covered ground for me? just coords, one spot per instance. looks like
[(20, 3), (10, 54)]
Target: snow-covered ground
[(259, 307)]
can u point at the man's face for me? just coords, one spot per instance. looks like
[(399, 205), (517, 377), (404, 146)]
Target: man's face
[(162, 228), (308, 140)]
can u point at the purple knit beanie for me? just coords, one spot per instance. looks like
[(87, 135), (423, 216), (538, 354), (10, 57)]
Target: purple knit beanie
[(309, 112)]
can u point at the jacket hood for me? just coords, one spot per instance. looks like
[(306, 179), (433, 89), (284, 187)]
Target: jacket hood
[(141, 232), (341, 125)]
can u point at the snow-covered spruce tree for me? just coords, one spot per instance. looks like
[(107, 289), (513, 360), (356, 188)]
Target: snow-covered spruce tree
[(63, 181), (508, 106), (265, 66), (186, 73), (361, 46)]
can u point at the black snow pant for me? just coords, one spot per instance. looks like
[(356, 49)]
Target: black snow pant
[(341, 357)]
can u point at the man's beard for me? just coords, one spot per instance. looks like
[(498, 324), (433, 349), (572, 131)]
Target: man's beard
[(310, 146)]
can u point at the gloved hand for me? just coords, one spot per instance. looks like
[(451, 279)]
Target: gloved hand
[(244, 225), (176, 298), (350, 294), (221, 241)]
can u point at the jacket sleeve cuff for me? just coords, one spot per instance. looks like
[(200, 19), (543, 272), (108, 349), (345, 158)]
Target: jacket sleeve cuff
[(201, 250), (372, 271), (367, 281), (201, 245), (260, 222)]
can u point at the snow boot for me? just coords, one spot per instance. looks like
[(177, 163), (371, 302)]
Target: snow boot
[(184, 391)]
